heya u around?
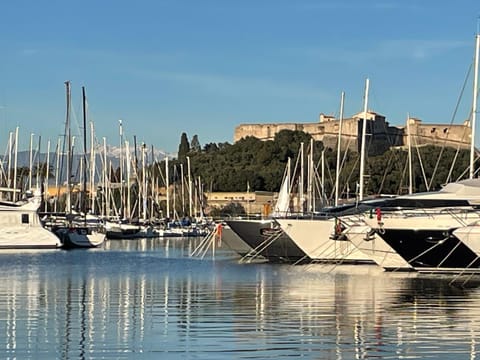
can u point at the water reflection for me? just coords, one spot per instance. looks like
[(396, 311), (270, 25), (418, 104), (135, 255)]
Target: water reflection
[(148, 298)]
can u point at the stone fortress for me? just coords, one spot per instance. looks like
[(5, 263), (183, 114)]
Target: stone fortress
[(380, 135)]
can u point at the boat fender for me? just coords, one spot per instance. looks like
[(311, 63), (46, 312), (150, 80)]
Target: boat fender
[(338, 226), (370, 235)]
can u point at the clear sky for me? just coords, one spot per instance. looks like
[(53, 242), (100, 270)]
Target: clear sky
[(204, 66)]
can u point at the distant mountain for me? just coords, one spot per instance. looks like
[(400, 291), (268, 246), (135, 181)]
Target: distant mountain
[(113, 156)]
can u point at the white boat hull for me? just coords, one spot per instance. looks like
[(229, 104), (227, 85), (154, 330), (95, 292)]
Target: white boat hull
[(376, 249), (313, 236)]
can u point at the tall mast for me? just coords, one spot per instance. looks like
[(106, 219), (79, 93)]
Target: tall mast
[(182, 189), (128, 163), (167, 185), (47, 173), (310, 179), (83, 202), (410, 173), (106, 175), (38, 161), (57, 171), (362, 149), (69, 148), (92, 166), (144, 183), (337, 171), (30, 166), (474, 106), (189, 188), (10, 143), (121, 166), (302, 180), (15, 165), (322, 187)]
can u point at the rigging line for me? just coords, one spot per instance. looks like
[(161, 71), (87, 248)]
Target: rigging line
[(344, 159), (385, 174), (342, 163), (354, 169), (464, 271), (329, 178), (450, 253), (404, 171), (255, 252), (456, 155), (451, 122), (421, 165), (450, 171), (318, 188), (327, 253), (467, 169), (424, 252)]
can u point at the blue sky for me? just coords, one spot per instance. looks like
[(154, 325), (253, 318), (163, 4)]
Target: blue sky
[(202, 67)]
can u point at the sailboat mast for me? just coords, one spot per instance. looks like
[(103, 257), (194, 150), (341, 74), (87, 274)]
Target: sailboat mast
[(9, 166), (182, 189), (47, 173), (92, 167), (363, 148), (69, 148), (83, 193), (474, 106), (122, 202), (310, 196), (30, 166), (128, 164), (106, 174), (38, 162), (144, 184), (57, 173), (302, 180), (410, 173), (339, 147), (190, 211), (167, 185), (15, 165)]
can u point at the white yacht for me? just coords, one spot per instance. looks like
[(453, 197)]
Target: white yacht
[(20, 226), (373, 246), (316, 236), (421, 227)]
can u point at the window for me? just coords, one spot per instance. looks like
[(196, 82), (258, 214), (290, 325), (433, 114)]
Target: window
[(25, 219)]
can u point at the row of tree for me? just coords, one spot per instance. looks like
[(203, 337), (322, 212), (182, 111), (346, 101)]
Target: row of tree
[(259, 165)]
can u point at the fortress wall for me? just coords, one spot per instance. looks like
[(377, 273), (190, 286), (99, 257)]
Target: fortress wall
[(263, 131), (380, 136), (440, 134)]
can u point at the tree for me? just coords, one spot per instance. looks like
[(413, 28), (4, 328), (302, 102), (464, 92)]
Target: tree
[(183, 148), (195, 144)]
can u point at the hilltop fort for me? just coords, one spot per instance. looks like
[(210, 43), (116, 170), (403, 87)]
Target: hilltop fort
[(380, 135)]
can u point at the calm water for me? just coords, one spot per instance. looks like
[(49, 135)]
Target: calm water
[(147, 299)]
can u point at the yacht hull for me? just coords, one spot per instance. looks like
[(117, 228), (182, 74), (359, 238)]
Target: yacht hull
[(268, 239)]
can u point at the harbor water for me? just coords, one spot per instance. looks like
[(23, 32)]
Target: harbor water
[(147, 299)]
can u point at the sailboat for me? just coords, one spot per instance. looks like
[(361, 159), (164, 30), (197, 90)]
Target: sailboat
[(74, 231)]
